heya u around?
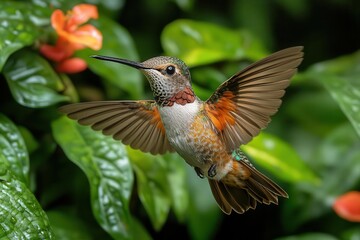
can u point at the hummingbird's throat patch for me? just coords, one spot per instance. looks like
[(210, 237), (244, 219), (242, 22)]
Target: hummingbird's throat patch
[(183, 97)]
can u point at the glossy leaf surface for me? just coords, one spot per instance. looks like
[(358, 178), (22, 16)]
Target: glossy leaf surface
[(341, 145), (19, 26), (198, 43), (105, 163), (32, 81), (13, 149), (340, 76), (153, 188), (279, 158), (21, 215)]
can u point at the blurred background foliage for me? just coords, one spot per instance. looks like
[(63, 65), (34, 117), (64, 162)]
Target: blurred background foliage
[(60, 179)]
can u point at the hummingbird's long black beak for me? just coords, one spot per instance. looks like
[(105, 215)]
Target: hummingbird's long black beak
[(122, 61)]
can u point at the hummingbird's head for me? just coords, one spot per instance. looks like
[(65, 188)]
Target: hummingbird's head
[(167, 75)]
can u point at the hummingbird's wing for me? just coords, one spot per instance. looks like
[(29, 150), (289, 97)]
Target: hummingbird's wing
[(135, 123), (242, 105)]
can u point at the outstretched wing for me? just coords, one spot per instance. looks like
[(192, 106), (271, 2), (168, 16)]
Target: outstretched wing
[(242, 105), (135, 123)]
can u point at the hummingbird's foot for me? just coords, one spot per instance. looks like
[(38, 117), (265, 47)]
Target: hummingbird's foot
[(199, 172), (212, 171)]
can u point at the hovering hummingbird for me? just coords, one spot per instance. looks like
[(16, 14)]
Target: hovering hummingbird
[(207, 134)]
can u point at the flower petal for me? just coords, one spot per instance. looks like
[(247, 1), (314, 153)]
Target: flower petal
[(90, 36), (52, 53), (59, 52), (58, 20), (347, 206), (82, 13), (86, 35), (71, 65)]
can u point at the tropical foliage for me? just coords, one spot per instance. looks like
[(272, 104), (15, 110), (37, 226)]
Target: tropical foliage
[(62, 180)]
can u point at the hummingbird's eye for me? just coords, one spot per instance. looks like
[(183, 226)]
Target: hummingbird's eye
[(170, 70)]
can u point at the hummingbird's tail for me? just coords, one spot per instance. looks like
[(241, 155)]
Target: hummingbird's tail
[(245, 193)]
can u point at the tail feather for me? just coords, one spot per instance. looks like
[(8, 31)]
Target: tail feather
[(219, 197), (241, 197), (257, 188), (260, 193), (238, 204), (264, 181)]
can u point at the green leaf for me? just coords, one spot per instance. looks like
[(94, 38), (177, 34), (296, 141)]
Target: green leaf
[(337, 158), (204, 215), (341, 145), (208, 77), (117, 42), (13, 149), (185, 4), (279, 158), (32, 81), (105, 163), (19, 26), (21, 215), (351, 234), (30, 142), (315, 111), (139, 230), (198, 43), (111, 5), (66, 226), (153, 188), (179, 193), (309, 236), (340, 77)]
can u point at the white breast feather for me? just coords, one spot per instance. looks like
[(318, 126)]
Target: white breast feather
[(177, 120)]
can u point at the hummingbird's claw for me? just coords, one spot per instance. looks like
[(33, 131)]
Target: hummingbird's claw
[(199, 172), (212, 171)]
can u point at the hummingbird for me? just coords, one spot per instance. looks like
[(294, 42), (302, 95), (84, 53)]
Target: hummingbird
[(206, 134)]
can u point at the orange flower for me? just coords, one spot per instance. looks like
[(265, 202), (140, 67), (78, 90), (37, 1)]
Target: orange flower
[(71, 65), (59, 52), (347, 206), (72, 36), (69, 26)]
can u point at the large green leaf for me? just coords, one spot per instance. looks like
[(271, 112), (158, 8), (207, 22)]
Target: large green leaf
[(337, 164), (315, 111), (153, 188), (139, 231), (107, 167), (30, 142), (179, 192), (66, 226), (199, 43), (32, 81), (19, 26), (21, 216), (13, 149), (203, 216), (341, 78), (185, 4), (117, 42), (208, 77), (351, 234), (279, 158)]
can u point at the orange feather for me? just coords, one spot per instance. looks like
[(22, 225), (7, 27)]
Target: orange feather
[(219, 112), (155, 117)]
